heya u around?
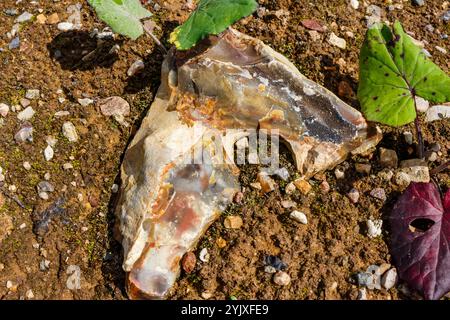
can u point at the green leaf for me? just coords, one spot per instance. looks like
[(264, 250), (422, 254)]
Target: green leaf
[(210, 17), (393, 70), (123, 16)]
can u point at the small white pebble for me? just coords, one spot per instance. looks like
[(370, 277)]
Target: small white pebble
[(339, 173), (69, 131), (389, 279), (204, 255), (299, 217), (362, 294), (281, 278), (374, 228), (23, 226), (65, 26), (67, 166), (48, 153), (270, 269), (115, 188), (29, 294), (43, 195), (422, 105), (354, 4), (27, 165), (85, 102), (433, 157), (26, 114), (206, 295), (4, 109), (408, 137)]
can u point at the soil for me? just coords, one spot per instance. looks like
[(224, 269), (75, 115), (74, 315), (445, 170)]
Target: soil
[(321, 257)]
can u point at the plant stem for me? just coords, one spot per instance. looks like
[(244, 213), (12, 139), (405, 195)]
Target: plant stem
[(440, 168), (418, 130), (150, 33)]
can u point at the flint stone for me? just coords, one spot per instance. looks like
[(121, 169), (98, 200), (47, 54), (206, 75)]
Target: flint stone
[(438, 113), (169, 199), (114, 106), (416, 169), (388, 158)]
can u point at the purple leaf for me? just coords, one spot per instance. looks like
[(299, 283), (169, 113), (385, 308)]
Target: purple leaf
[(420, 223)]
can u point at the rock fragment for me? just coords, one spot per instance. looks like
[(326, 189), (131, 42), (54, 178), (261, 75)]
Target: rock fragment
[(374, 228), (281, 278), (188, 262), (69, 131), (389, 279), (32, 94), (336, 41), (388, 158), (233, 222), (303, 186), (378, 193), (299, 217), (48, 153), (4, 109), (26, 114)]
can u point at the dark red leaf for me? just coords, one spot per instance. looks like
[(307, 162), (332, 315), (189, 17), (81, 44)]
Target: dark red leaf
[(313, 25), (420, 223)]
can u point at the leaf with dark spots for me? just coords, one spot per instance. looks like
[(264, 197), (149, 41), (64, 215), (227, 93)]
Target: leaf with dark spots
[(210, 17), (420, 241), (391, 64), (313, 25)]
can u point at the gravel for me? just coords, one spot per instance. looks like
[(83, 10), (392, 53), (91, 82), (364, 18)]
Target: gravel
[(48, 153), (24, 134), (374, 228), (4, 109), (69, 131), (336, 41), (353, 195), (281, 278), (299, 217), (26, 114), (389, 279), (204, 255), (24, 17), (379, 193), (14, 44), (74, 280), (32, 94)]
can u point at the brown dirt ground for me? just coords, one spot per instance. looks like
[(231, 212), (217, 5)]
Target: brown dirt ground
[(330, 249)]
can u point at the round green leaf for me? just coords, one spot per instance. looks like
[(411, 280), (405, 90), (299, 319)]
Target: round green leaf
[(210, 17), (393, 70), (123, 16)]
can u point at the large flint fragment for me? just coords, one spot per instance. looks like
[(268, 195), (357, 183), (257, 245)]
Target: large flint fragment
[(175, 183)]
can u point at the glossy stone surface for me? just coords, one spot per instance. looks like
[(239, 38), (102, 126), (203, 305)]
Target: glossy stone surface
[(229, 82)]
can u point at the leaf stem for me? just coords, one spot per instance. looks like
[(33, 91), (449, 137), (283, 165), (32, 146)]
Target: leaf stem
[(440, 168), (150, 33), (418, 130)]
